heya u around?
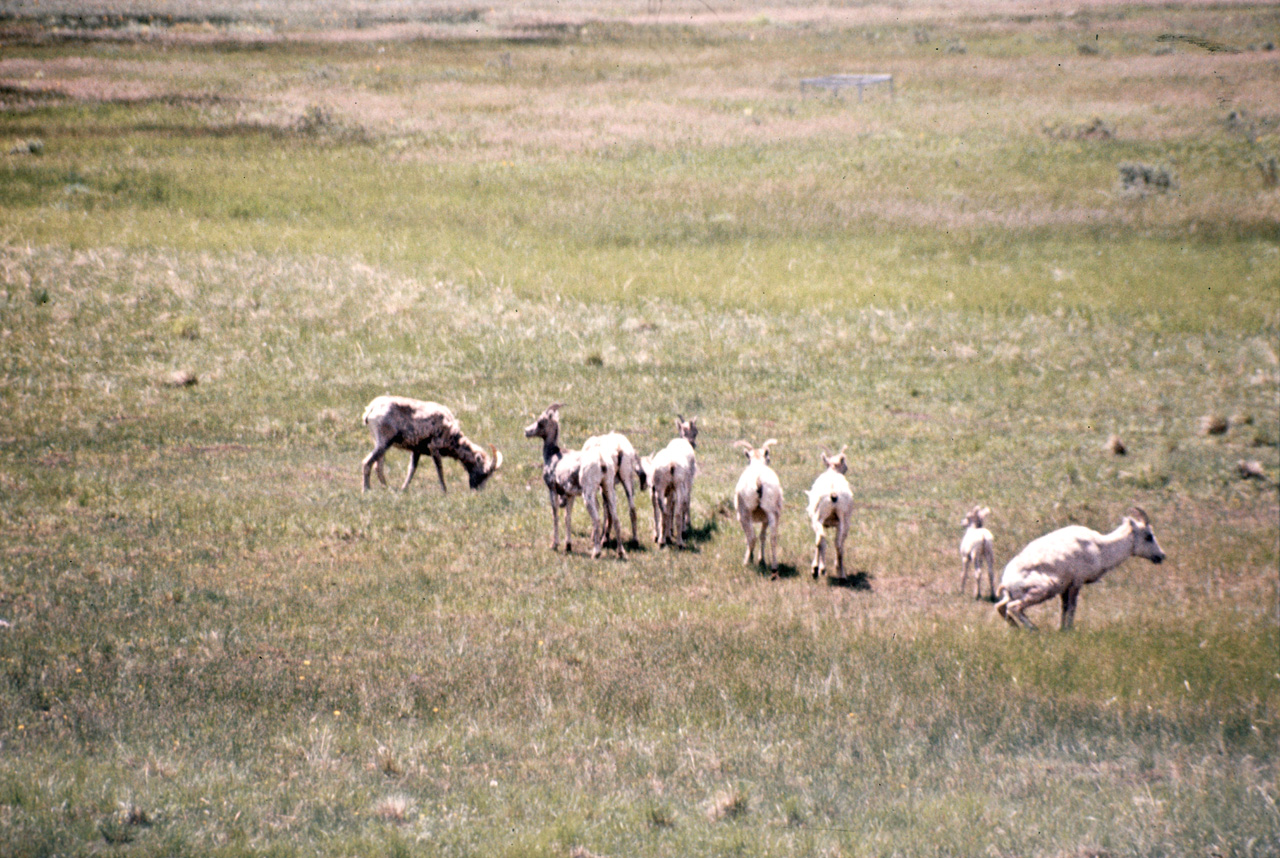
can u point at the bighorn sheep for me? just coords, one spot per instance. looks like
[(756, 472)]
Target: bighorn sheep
[(1062, 562), (670, 473), (977, 550), (830, 505), (758, 498), (423, 427), (569, 474), (618, 449)]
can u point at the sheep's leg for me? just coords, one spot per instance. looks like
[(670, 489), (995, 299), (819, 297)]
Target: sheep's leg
[(373, 461), (611, 514), (842, 532), (964, 573), (1002, 608), (413, 466), (656, 497), (678, 515), (593, 510), (1014, 613), (1029, 598), (435, 457), (748, 528), (555, 519), (629, 489), (568, 524), (670, 516), (1069, 598), (770, 529), (819, 564), (991, 576)]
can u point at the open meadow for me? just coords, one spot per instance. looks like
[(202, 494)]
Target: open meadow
[(223, 232)]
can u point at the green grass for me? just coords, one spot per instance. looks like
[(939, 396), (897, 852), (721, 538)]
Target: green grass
[(219, 646)]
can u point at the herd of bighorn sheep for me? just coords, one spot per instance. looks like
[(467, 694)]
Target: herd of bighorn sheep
[(1056, 564)]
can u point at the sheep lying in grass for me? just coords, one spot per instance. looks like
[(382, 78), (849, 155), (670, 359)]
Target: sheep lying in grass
[(567, 475), (977, 551), (1062, 562), (423, 427), (758, 498), (616, 447), (830, 505), (670, 473)]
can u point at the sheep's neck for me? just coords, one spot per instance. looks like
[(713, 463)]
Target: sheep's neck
[(1115, 547), (551, 451), (469, 454)]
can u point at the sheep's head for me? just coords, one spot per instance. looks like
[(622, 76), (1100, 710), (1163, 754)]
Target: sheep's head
[(1144, 539), (491, 463), (547, 426), (975, 517), (839, 462), (756, 455), (688, 430)]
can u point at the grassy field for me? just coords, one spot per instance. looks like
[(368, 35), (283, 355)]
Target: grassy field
[(215, 644)]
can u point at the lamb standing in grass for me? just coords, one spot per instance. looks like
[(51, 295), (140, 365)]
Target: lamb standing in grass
[(567, 475), (1062, 562), (670, 473), (977, 550), (423, 427), (758, 498), (830, 505)]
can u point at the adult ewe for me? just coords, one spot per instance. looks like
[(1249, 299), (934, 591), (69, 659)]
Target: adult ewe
[(1062, 562), (423, 427), (830, 505), (758, 498)]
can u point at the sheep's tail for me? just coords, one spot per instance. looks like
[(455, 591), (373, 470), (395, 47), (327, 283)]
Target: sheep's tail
[(367, 412), (759, 489), (834, 497)]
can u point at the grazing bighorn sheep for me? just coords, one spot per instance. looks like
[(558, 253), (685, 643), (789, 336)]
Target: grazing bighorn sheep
[(977, 550), (1062, 562), (618, 449), (830, 505), (758, 498), (569, 474), (423, 427), (670, 473)]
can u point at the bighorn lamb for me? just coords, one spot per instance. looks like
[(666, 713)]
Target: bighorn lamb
[(670, 473), (758, 498), (423, 427), (977, 550), (830, 505), (1062, 562), (618, 449), (569, 474)]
